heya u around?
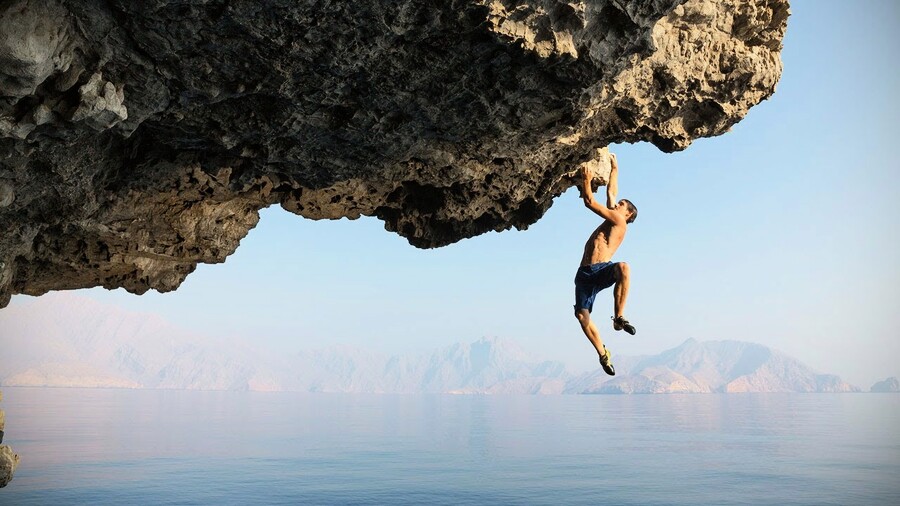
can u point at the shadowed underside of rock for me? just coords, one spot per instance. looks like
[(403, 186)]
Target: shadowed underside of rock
[(138, 139)]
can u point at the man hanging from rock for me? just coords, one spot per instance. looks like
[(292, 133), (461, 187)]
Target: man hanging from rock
[(597, 271)]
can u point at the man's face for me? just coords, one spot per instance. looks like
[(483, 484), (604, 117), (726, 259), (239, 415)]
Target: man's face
[(622, 206)]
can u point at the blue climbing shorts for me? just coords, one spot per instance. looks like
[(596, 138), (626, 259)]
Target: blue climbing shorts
[(589, 280)]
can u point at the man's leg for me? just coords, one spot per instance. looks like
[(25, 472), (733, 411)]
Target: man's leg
[(622, 275), (590, 330), (593, 335)]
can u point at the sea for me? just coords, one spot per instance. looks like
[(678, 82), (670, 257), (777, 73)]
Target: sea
[(163, 447)]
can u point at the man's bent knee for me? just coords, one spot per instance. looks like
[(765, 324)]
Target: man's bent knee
[(583, 315)]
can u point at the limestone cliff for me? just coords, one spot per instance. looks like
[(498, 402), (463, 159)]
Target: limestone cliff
[(138, 139)]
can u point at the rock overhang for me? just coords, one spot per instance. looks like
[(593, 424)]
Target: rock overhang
[(138, 139)]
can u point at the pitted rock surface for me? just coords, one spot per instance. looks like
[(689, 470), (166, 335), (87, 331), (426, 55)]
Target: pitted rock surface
[(140, 138)]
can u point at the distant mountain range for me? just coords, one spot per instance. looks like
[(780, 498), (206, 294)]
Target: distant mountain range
[(714, 366), (88, 344), (890, 385)]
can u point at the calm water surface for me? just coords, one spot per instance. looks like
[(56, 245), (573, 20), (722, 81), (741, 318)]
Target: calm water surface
[(117, 447)]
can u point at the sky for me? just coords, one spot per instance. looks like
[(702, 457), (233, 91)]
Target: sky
[(783, 232)]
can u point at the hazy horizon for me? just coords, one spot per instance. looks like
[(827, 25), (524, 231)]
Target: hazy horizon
[(85, 343)]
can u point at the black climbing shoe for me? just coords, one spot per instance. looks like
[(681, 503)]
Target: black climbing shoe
[(606, 362), (619, 323)]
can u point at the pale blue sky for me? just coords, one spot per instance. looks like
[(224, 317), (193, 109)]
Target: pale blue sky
[(781, 232)]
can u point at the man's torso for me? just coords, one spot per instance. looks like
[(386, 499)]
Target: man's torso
[(603, 243)]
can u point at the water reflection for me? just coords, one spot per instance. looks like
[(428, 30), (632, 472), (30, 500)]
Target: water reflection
[(790, 448)]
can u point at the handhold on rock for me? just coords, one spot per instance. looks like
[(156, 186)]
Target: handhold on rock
[(102, 104), (599, 166)]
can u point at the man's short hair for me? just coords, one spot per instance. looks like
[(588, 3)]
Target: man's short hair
[(632, 210)]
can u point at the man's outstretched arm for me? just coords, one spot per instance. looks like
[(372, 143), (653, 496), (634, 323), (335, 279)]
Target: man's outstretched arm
[(587, 194), (612, 187)]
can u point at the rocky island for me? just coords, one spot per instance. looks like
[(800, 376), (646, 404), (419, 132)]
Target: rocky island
[(8, 459)]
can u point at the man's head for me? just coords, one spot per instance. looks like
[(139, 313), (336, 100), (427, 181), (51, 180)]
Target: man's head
[(629, 208)]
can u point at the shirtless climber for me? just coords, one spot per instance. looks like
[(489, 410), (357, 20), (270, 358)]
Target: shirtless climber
[(596, 271)]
